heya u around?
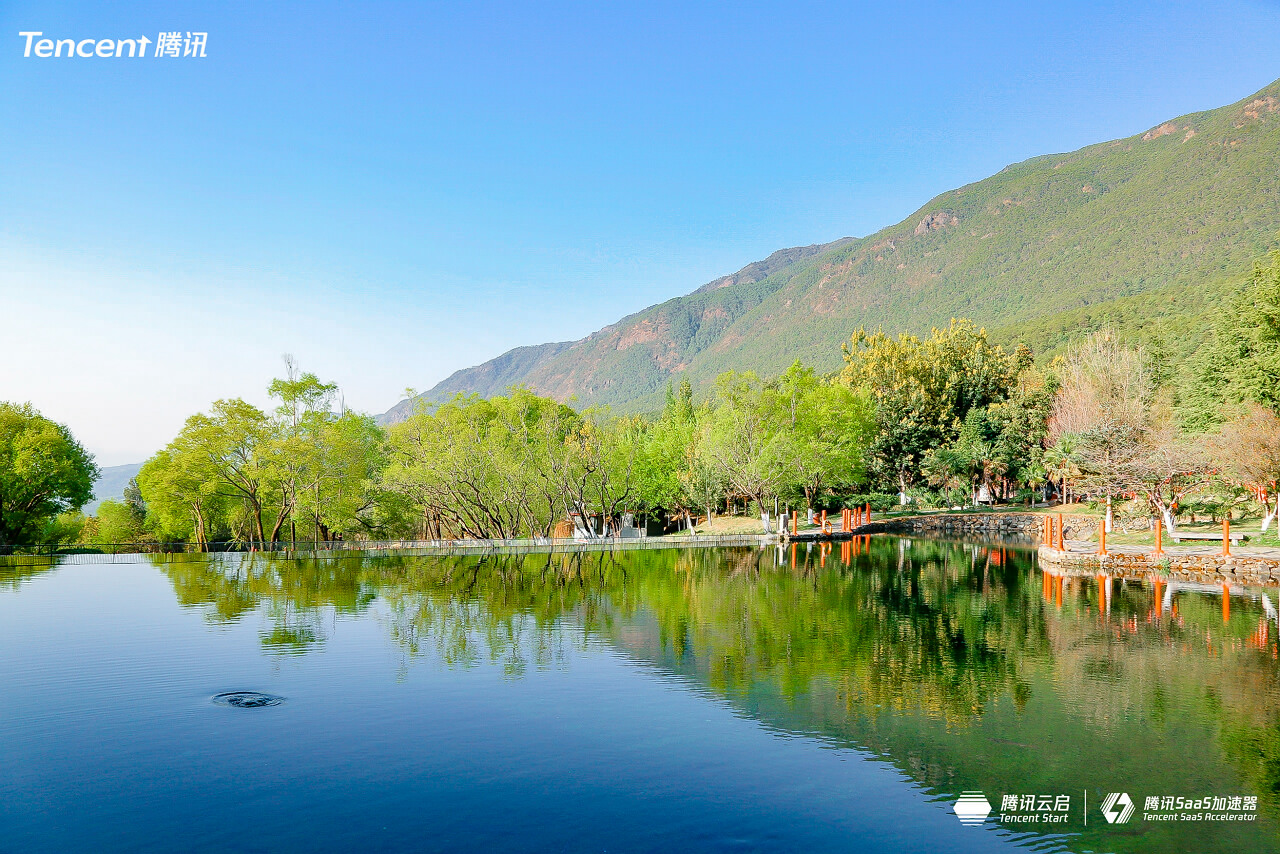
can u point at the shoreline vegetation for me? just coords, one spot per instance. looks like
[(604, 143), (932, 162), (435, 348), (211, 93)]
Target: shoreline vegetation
[(945, 422)]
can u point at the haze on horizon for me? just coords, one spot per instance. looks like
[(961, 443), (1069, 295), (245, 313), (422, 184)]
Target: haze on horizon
[(394, 196)]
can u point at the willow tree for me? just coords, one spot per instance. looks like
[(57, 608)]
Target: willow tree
[(185, 498), (744, 438), (824, 429), (481, 468)]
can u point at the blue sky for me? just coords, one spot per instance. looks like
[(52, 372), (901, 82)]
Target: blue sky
[(393, 191)]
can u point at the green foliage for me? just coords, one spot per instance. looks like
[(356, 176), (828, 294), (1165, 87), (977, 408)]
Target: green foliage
[(1241, 362), (238, 472), (44, 472), (117, 522), (924, 390), (487, 468)]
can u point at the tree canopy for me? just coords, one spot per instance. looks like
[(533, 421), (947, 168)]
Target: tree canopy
[(44, 471)]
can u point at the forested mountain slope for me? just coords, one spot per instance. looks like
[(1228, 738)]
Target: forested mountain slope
[(1142, 231)]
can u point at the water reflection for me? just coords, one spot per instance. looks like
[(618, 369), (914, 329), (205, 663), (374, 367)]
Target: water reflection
[(963, 665)]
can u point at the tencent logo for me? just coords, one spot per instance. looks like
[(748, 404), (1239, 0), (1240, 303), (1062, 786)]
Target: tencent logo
[(1117, 808), (973, 808)]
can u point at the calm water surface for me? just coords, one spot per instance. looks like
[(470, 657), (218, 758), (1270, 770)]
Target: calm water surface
[(735, 700)]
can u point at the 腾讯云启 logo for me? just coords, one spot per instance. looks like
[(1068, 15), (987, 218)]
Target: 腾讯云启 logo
[(972, 808), (1117, 807)]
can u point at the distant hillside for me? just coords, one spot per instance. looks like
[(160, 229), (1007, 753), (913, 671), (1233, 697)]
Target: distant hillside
[(111, 484), (516, 366), (1149, 230), (492, 378)]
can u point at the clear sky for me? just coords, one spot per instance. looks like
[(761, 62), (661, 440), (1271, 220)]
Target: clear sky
[(393, 191)]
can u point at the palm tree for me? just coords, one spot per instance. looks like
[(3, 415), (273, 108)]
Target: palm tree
[(1061, 463)]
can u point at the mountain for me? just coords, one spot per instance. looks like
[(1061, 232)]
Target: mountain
[(1146, 232), (492, 378), (110, 485)]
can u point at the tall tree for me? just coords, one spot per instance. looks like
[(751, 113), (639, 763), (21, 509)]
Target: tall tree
[(923, 390), (186, 497), (226, 447), (1102, 409), (1240, 363), (824, 431), (744, 437), (44, 471)]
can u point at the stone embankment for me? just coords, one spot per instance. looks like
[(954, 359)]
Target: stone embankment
[(984, 523), (1200, 564), (1023, 525)]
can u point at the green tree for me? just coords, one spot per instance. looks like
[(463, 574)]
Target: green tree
[(923, 391), (116, 523), (744, 437), (186, 498), (1240, 363), (224, 449), (668, 453), (825, 429), (44, 471), (972, 460), (486, 468)]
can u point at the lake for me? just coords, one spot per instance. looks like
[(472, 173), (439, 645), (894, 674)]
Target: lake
[(820, 699)]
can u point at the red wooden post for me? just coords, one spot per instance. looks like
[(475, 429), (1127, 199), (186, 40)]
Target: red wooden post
[(1226, 537), (795, 525), (1102, 538), (1159, 535), (867, 518)]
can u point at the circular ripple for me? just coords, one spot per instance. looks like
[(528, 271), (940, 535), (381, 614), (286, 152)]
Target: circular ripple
[(247, 699)]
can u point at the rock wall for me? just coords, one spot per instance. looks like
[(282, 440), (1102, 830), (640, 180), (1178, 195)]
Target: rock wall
[(1030, 524), (1202, 568)]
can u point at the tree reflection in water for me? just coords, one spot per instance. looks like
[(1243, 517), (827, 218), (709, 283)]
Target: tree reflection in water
[(961, 664)]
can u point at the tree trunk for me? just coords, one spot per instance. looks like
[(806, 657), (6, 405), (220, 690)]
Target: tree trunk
[(1272, 513)]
